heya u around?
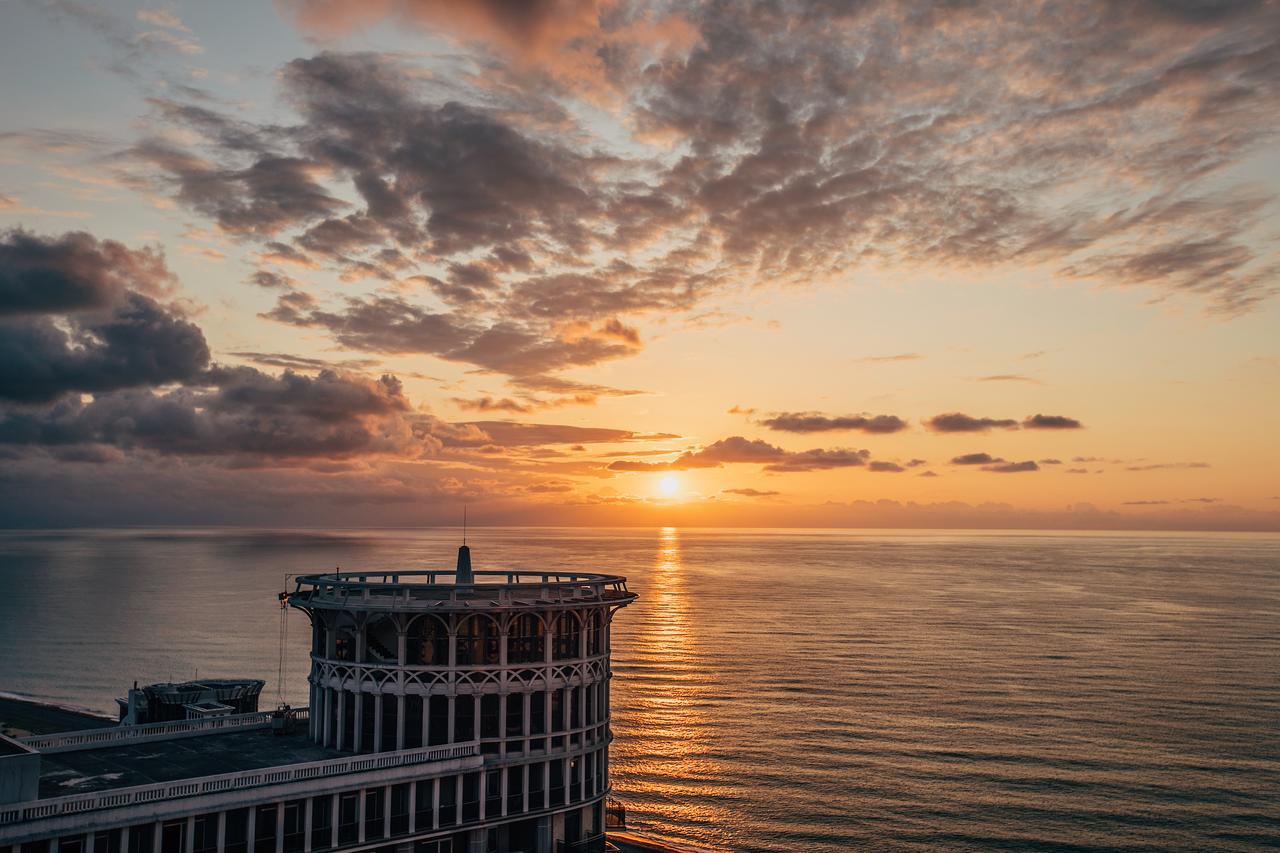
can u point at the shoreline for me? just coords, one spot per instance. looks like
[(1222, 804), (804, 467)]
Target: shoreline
[(21, 716)]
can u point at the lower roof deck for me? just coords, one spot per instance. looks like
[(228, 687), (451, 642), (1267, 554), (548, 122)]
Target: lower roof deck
[(157, 761)]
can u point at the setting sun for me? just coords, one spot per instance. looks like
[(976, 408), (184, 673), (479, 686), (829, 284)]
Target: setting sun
[(669, 485)]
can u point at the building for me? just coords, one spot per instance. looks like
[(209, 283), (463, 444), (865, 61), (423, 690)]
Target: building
[(189, 700), (450, 711)]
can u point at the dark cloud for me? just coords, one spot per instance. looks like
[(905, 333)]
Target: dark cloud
[(975, 459), (739, 450), (886, 467), (814, 422), (928, 474), (958, 422), (1051, 422), (138, 343), (1010, 377), (237, 412), (1050, 461), (1012, 467), (512, 434), (750, 493), (272, 280), (884, 359), (73, 272), (1157, 466)]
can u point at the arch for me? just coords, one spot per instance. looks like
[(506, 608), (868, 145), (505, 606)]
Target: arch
[(427, 642), (568, 636), (594, 629), (526, 639), (478, 640), (381, 641)]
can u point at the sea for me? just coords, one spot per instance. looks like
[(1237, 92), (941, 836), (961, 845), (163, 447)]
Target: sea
[(798, 690)]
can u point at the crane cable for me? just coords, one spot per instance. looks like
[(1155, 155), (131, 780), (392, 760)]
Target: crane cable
[(283, 640)]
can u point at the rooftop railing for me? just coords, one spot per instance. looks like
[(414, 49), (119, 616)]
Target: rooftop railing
[(438, 589), (78, 803), (117, 735)]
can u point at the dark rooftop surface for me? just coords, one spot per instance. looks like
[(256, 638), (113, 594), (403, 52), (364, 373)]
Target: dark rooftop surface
[(66, 773)]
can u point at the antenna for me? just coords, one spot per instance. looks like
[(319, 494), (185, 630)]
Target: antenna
[(464, 524)]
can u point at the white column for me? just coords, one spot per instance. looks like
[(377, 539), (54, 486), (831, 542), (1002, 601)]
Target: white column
[(339, 738), (413, 807), (280, 827), (88, 842), (360, 813), (222, 833), (386, 811), (306, 825), (377, 722), (252, 826), (155, 836), (502, 791), (357, 738), (189, 836), (435, 803), (400, 712), (334, 817), (328, 717)]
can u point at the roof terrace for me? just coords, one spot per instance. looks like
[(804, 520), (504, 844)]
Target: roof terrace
[(440, 590)]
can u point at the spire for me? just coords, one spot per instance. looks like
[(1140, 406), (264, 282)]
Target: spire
[(464, 574)]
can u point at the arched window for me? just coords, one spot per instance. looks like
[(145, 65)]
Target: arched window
[(477, 641), (568, 635), (526, 639), (381, 643), (595, 633), (344, 644), (427, 643)]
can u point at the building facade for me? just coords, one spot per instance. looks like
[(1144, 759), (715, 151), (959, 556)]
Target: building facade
[(450, 711)]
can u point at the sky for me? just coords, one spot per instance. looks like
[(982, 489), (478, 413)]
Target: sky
[(837, 263)]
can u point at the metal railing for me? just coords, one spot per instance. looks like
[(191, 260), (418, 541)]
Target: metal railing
[(438, 589), (115, 735), (77, 803)]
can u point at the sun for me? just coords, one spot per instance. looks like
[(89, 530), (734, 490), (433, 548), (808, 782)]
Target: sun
[(669, 485)]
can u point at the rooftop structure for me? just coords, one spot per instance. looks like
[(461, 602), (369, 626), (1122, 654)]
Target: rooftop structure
[(463, 711)]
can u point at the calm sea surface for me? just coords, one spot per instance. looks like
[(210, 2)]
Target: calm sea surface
[(788, 690)]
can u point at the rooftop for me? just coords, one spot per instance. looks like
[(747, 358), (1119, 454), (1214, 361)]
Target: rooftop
[(149, 762), (441, 589)]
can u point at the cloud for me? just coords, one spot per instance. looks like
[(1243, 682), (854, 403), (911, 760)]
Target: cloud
[(237, 412), (815, 422), (929, 474), (1012, 467), (74, 272), (1158, 466), (272, 280), (886, 359), (1050, 422), (740, 410), (512, 434), (1010, 377), (975, 459), (887, 467), (750, 493), (958, 422), (739, 450)]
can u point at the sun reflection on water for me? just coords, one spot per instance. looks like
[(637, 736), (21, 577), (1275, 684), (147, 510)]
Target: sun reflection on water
[(664, 712)]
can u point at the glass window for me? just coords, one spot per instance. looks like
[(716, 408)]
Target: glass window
[(464, 719), (236, 839), (349, 817), (400, 809), (489, 704), (526, 639), (438, 731), (205, 832), (264, 832), (427, 643), (478, 641), (422, 808), (568, 636), (321, 822), (413, 721), (295, 827), (374, 814)]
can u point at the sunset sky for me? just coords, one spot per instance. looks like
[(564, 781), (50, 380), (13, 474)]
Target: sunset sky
[(865, 264)]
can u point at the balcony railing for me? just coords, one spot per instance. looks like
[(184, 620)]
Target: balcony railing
[(76, 804), (116, 735), (430, 589)]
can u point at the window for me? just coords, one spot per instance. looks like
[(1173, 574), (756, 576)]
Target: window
[(427, 642), (493, 793), (204, 833), (390, 719), (368, 718), (470, 797), (344, 644), (349, 817), (109, 842), (422, 808), (141, 837), (568, 636), (526, 639), (374, 814), (478, 641), (400, 809), (71, 844), (438, 730), (595, 633), (413, 721), (448, 801), (321, 822), (537, 789), (464, 719), (515, 789), (264, 833), (236, 839), (515, 720), (295, 827), (489, 704)]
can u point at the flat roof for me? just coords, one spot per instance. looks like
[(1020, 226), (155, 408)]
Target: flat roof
[(83, 771)]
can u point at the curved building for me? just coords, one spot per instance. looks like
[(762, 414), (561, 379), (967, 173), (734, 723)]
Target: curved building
[(450, 711)]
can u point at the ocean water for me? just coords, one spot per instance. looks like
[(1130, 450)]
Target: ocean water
[(787, 690)]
